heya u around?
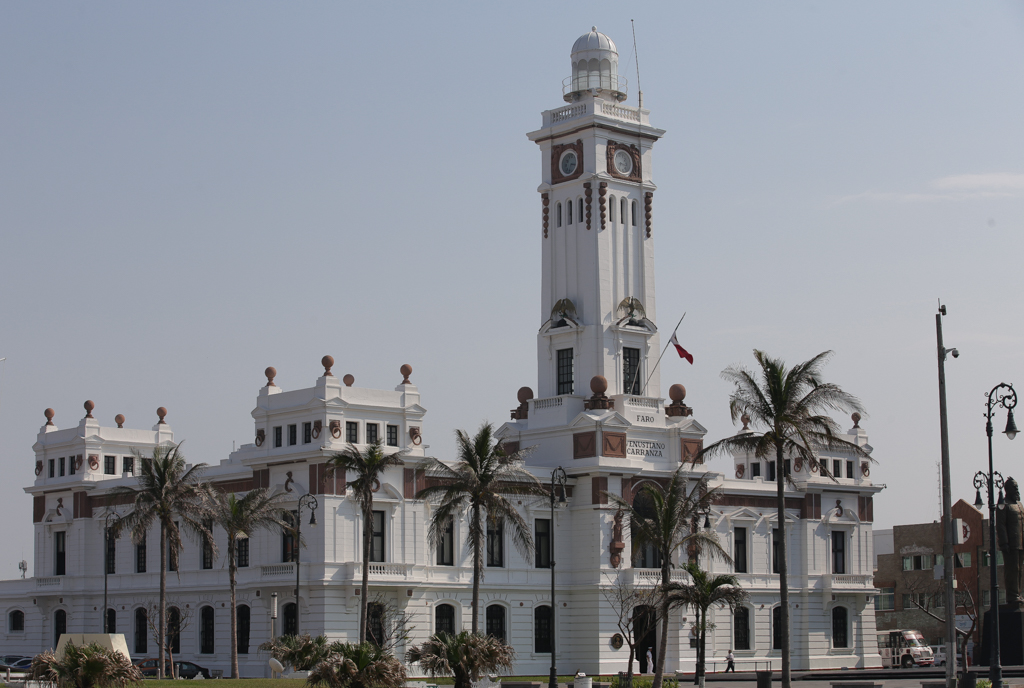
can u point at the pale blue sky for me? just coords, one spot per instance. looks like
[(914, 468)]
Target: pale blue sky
[(191, 192)]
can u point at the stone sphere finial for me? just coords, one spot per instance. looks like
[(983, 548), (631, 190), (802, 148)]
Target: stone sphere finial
[(349, 379), (856, 419), (599, 384), (406, 371), (271, 373), (49, 413), (327, 362), (524, 394), (746, 421), (677, 392), (160, 413), (119, 419), (89, 406)]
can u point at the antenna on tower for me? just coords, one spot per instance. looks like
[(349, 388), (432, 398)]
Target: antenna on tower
[(636, 57)]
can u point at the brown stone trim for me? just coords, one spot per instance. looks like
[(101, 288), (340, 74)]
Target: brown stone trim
[(689, 449), (602, 191), (556, 155), (599, 490), (584, 445), (866, 509), (627, 490), (603, 127), (82, 505), (408, 483), (545, 202), (510, 447), (613, 445), (589, 193), (38, 508), (812, 506), (636, 174), (648, 200), (240, 485), (261, 478)]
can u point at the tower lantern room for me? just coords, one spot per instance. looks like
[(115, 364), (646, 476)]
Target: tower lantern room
[(595, 68)]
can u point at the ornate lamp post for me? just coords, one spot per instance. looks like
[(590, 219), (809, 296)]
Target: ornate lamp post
[(112, 517), (1005, 396), (273, 613), (558, 477), (306, 500)]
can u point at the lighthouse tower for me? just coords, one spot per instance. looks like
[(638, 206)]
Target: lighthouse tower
[(597, 298)]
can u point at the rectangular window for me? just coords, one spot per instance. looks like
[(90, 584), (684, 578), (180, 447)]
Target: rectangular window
[(52, 472), (59, 553), (849, 470), (495, 543), (242, 553), (542, 543), (565, 371), (631, 370), (60, 466), (277, 436), (371, 432), (351, 432), (392, 435), (838, 551), (110, 465), (962, 560), (128, 464), (377, 537), (918, 564), (293, 435), (837, 468), (785, 468), (140, 556), (207, 547), (446, 546), (288, 536), (579, 209), (307, 433), (739, 555), (908, 563), (755, 469), (568, 212), (771, 471), (886, 601), (939, 600), (775, 550), (111, 553), (71, 465)]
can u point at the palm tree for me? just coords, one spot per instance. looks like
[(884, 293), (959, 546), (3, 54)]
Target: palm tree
[(301, 652), (168, 489), (701, 593), (257, 510), (463, 655), (368, 466), (85, 666), (668, 521), (478, 482), (790, 404), (361, 665)]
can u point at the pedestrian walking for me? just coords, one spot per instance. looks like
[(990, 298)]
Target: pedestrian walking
[(650, 661), (731, 659)]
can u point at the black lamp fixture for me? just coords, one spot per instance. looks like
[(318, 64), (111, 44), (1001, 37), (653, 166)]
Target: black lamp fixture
[(1011, 427)]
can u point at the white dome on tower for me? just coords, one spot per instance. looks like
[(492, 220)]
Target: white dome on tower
[(595, 68)]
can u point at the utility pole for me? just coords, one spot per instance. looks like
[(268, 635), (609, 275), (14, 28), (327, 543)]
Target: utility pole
[(947, 508)]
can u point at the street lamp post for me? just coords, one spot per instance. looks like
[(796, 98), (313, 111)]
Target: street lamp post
[(559, 478), (111, 516), (947, 506), (1001, 395), (306, 500), (273, 613)]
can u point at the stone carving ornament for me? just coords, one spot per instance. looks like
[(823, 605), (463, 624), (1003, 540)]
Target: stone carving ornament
[(556, 157), (1010, 535), (632, 172)]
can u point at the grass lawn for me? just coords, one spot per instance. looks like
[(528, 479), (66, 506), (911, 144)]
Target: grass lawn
[(299, 682)]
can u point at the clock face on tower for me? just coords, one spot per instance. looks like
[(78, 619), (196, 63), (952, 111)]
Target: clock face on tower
[(623, 163), (568, 163)]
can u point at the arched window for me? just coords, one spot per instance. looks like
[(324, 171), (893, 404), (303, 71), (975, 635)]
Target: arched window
[(375, 623), (623, 214), (291, 622), (496, 621), (741, 629), (612, 207), (776, 628), (60, 625), (645, 555), (633, 213), (174, 629), (206, 630), (594, 67), (606, 74), (242, 630), (542, 629), (840, 637), (568, 213), (141, 630), (444, 619), (558, 214), (579, 207), (645, 632), (111, 621), (16, 620)]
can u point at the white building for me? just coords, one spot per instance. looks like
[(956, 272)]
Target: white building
[(598, 413)]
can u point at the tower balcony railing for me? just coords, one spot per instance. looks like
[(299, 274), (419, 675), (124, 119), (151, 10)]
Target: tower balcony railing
[(594, 81)]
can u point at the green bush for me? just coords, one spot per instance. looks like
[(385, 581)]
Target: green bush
[(984, 683), (641, 681)]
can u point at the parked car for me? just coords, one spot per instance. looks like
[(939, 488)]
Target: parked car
[(940, 656), (191, 670), (8, 660), (149, 665), (24, 664)]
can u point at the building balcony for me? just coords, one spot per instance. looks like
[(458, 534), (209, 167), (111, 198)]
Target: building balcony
[(50, 583)]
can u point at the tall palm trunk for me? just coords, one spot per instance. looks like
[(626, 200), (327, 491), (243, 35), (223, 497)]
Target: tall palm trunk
[(478, 568), (364, 589), (161, 641), (666, 578), (780, 481), (232, 570)]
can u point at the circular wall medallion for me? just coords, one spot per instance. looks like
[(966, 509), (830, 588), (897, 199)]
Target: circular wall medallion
[(623, 162), (568, 163), (617, 641), (375, 486), (739, 470)]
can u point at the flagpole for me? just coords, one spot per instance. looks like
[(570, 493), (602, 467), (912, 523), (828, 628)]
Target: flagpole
[(659, 357)]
